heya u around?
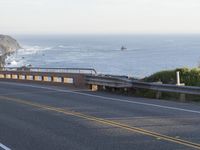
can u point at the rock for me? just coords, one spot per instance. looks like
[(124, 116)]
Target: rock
[(8, 45)]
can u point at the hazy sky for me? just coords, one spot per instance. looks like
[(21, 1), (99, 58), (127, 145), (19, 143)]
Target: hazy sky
[(99, 16)]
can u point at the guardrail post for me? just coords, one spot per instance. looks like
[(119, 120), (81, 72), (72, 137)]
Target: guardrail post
[(182, 97), (178, 83), (178, 78), (158, 93), (100, 87), (113, 89)]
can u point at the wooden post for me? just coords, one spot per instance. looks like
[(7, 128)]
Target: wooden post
[(182, 97), (158, 95)]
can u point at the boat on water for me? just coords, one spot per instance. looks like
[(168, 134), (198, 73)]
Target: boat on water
[(123, 48)]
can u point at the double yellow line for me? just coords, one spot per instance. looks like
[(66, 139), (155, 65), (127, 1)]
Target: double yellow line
[(106, 122)]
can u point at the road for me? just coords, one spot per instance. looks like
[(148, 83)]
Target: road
[(39, 117)]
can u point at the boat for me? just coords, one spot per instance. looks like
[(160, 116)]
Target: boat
[(123, 48)]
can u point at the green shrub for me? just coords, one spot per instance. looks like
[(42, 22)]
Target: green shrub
[(191, 77)]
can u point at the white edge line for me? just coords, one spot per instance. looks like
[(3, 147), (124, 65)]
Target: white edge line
[(108, 98), (4, 147)]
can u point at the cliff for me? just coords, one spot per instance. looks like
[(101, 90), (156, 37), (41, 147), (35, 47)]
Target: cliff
[(8, 45)]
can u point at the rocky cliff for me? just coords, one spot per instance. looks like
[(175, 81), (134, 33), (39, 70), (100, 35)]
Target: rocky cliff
[(8, 45)]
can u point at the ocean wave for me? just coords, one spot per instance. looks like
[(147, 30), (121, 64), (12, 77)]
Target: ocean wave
[(13, 63), (28, 50), (62, 46), (19, 57), (67, 46)]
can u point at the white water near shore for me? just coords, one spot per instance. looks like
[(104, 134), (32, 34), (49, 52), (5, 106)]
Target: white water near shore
[(145, 54)]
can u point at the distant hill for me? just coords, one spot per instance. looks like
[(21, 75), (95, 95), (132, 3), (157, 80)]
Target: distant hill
[(8, 45)]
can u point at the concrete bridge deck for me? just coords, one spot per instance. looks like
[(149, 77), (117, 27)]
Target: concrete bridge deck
[(44, 117)]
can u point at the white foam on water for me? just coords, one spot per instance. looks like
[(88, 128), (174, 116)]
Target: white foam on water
[(14, 63), (28, 50), (62, 46), (19, 57), (67, 47)]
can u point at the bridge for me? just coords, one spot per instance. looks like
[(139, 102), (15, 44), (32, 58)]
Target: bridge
[(61, 108)]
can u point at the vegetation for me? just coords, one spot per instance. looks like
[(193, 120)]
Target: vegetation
[(191, 77)]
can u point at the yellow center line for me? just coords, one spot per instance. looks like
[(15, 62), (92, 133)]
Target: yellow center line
[(106, 122)]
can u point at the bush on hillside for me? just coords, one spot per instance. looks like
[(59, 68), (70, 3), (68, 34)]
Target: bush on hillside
[(191, 77)]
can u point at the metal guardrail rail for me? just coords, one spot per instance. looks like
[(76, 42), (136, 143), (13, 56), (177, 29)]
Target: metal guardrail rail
[(109, 81), (51, 70), (122, 82)]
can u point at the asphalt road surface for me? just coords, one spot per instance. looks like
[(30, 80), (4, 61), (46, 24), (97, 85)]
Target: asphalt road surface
[(38, 117)]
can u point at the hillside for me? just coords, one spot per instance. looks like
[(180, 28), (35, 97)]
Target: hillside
[(8, 45)]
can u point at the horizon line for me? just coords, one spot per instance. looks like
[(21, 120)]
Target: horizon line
[(88, 34)]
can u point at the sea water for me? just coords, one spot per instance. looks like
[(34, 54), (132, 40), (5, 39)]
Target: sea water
[(145, 54)]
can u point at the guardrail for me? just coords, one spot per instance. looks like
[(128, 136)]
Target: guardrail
[(109, 81), (58, 70), (121, 82), (81, 77)]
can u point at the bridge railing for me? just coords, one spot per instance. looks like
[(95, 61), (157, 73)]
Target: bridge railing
[(71, 76), (56, 70)]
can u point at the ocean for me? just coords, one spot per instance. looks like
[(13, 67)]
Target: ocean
[(145, 54)]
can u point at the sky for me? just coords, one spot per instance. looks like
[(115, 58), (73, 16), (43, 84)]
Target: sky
[(99, 16)]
